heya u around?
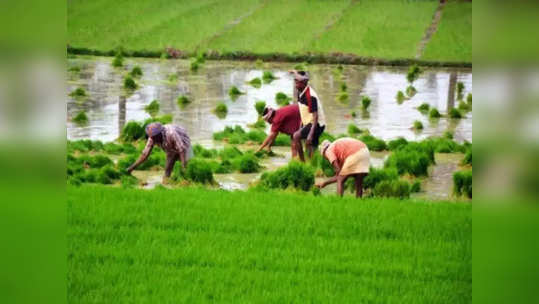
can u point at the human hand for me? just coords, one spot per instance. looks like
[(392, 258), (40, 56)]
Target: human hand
[(320, 185), (309, 140), (129, 169)]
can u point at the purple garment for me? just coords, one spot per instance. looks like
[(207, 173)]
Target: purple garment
[(175, 141)]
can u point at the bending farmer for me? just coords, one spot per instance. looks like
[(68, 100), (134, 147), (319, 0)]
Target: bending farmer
[(349, 157), (312, 116), (285, 120), (172, 139)]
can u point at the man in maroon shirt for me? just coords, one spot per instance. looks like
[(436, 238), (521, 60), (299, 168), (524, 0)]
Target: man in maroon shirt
[(285, 120)]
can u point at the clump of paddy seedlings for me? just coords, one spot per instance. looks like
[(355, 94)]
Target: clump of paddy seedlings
[(74, 69), (301, 66), (394, 188), (118, 60), (197, 171), (268, 77), (259, 106), (424, 108), (259, 63), (455, 113), (410, 91), (81, 118), (460, 90), (400, 97), (353, 114), (259, 124), (448, 135), (136, 72), (295, 175), (418, 125), (373, 143), (221, 110), (342, 97), (183, 101), (194, 66), (343, 87), (434, 113), (413, 73), (172, 77), (234, 92), (129, 83), (353, 129), (416, 187), (463, 106), (469, 99), (256, 82), (152, 108), (462, 183), (282, 99), (78, 93), (132, 131), (365, 102)]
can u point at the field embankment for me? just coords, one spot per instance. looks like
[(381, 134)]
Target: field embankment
[(192, 244)]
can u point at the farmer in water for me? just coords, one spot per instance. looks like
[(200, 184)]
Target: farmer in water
[(350, 158), (312, 116), (172, 139), (285, 120)]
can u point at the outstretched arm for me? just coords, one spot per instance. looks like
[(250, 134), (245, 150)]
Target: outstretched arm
[(145, 153), (332, 179), (268, 141)]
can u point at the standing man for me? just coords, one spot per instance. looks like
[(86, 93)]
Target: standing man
[(313, 121), (285, 120), (172, 139), (349, 157)]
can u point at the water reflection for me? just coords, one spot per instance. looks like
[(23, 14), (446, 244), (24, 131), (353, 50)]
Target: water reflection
[(108, 111)]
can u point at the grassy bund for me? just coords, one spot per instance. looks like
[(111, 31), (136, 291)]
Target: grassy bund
[(196, 245), (367, 31)]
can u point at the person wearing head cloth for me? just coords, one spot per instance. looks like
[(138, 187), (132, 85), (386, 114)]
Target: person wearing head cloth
[(284, 120), (312, 115), (350, 158), (172, 139)]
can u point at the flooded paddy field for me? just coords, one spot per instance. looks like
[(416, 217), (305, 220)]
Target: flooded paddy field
[(108, 106)]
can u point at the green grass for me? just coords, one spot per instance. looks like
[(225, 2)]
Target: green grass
[(196, 245), (379, 28), (388, 29), (453, 39)]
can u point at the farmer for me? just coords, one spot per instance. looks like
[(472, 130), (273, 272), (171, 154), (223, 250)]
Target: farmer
[(285, 120), (172, 139), (349, 157), (312, 116)]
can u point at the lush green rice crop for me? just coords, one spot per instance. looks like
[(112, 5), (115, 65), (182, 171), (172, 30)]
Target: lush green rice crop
[(195, 245)]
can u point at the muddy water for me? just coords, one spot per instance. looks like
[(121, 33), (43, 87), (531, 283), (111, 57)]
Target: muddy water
[(387, 119), (108, 106)]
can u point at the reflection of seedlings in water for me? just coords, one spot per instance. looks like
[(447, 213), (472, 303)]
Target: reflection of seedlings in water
[(353, 129), (418, 126), (413, 73), (118, 60), (129, 83), (342, 97), (460, 90), (434, 113), (343, 87), (268, 77), (448, 135), (136, 72), (424, 108), (81, 119), (260, 106), (78, 93), (400, 97), (365, 102), (463, 106), (416, 187), (152, 108), (410, 91), (282, 99), (183, 101), (234, 92), (256, 82), (221, 110), (455, 113), (462, 183)]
